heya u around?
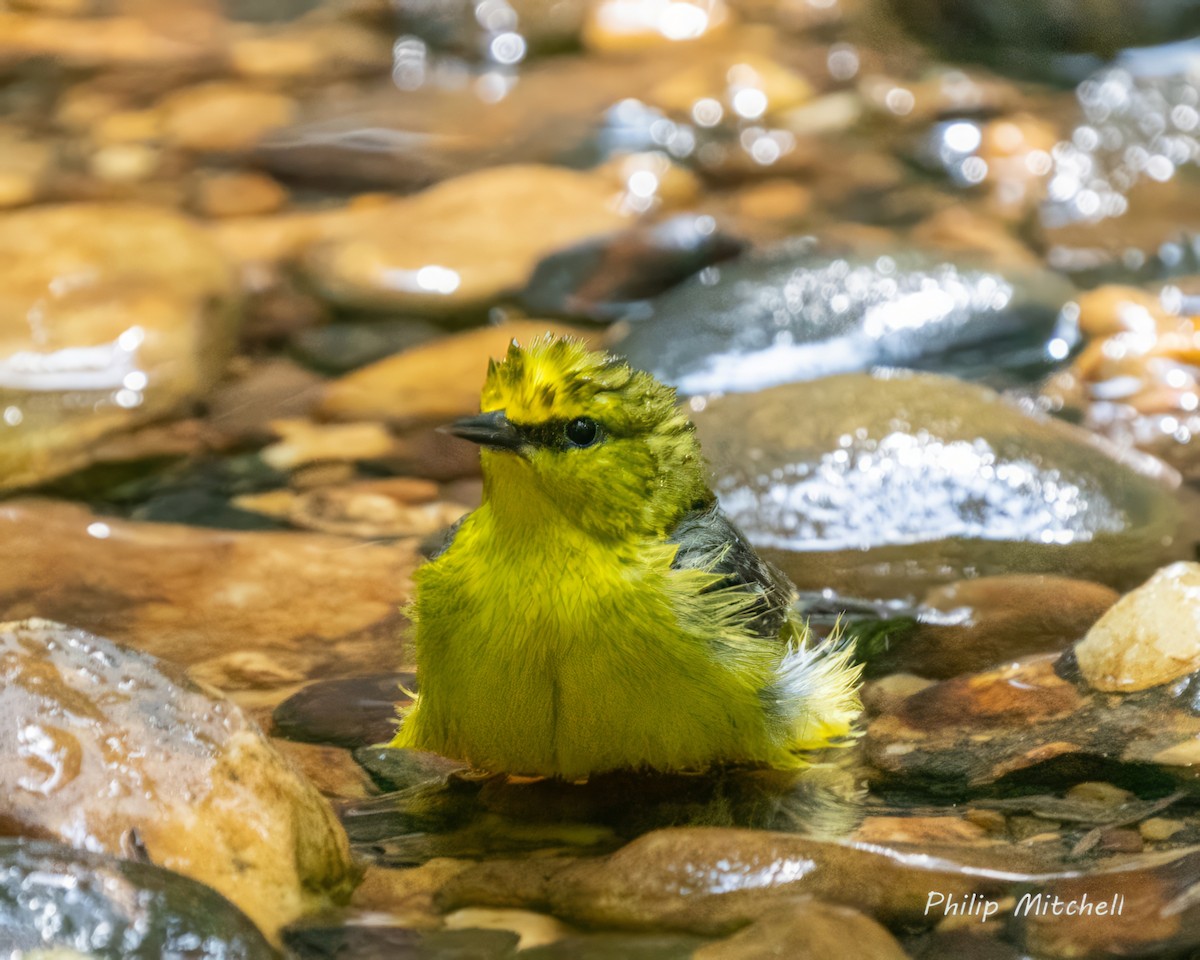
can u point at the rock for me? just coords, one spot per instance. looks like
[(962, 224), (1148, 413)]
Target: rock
[(833, 495), (221, 117), (738, 84), (467, 241), (136, 315), (244, 405), (238, 194), (331, 770), (366, 510), (791, 313), (617, 26), (350, 712), (542, 26), (1027, 29), (1137, 381), (617, 946), (406, 895), (1151, 636), (809, 930), (973, 624), (305, 442), (101, 42), (1026, 723), (373, 940), (431, 383), (24, 165), (426, 132), (107, 743), (308, 51), (712, 881), (534, 929), (314, 604), (1131, 155), (341, 347), (600, 279), (56, 902)]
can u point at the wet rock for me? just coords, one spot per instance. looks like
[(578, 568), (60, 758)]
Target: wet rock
[(1079, 26), (24, 165), (973, 624), (109, 316), (222, 117), (303, 442), (341, 347), (534, 929), (372, 940), (350, 712), (1131, 155), (600, 279), (714, 881), (243, 406), (406, 895), (791, 313), (316, 48), (330, 769), (809, 930), (1137, 381), (1150, 637), (540, 26), (102, 42), (1024, 719), (898, 482), (366, 509), (71, 903), (106, 741), (431, 383), (192, 595), (237, 195), (617, 946), (427, 132), (614, 26), (470, 241)]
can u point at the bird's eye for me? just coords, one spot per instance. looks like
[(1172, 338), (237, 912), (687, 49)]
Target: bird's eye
[(582, 432)]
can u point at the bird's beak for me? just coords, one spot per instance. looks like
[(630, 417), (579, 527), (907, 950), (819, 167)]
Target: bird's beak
[(489, 430)]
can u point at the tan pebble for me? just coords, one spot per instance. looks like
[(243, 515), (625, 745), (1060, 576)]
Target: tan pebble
[(624, 26), (220, 116), (305, 442), (1099, 792), (774, 200), (408, 894), (238, 194), (1149, 637), (128, 126), (1160, 828), (1113, 308), (534, 929), (124, 162), (991, 821)]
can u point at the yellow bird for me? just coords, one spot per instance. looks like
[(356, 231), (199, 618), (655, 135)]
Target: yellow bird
[(598, 611)]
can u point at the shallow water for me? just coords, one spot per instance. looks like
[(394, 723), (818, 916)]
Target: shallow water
[(927, 283)]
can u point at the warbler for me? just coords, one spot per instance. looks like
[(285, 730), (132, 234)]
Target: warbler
[(598, 611)]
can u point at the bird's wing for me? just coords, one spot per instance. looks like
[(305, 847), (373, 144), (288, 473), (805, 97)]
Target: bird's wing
[(708, 540)]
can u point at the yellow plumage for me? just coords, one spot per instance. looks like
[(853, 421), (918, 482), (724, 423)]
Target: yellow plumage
[(597, 612)]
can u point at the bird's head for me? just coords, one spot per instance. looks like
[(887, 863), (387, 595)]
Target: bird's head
[(583, 433)]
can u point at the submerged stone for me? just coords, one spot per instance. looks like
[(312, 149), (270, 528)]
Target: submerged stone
[(793, 313), (113, 750), (110, 316), (348, 712), (54, 898), (878, 486)]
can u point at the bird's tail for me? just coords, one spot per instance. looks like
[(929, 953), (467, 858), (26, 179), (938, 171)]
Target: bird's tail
[(819, 683)]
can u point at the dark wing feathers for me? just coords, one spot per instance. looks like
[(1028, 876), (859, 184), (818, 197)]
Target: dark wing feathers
[(708, 540)]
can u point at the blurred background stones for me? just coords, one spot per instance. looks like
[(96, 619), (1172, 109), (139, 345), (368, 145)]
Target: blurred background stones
[(926, 275)]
